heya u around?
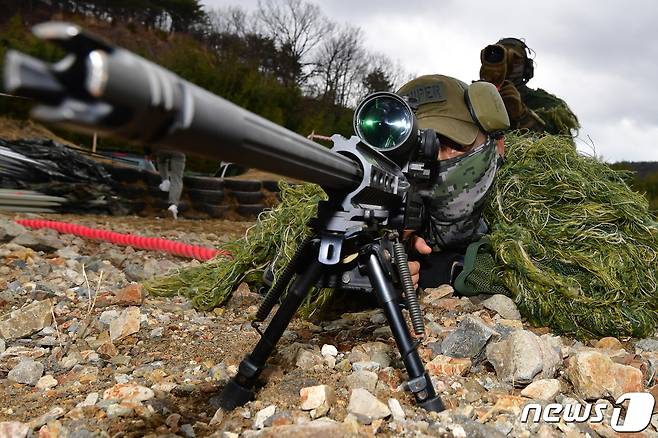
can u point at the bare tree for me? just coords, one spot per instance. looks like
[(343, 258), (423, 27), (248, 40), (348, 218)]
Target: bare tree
[(297, 28), (232, 20), (341, 64), (382, 74)]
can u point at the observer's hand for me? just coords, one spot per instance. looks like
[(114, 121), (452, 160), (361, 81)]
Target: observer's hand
[(421, 247), (515, 107)]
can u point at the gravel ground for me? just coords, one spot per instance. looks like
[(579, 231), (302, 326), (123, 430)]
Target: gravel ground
[(84, 353)]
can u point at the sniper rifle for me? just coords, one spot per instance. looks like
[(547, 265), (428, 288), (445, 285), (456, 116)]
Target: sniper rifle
[(374, 180)]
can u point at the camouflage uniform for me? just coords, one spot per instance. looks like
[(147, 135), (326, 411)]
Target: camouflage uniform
[(555, 116)]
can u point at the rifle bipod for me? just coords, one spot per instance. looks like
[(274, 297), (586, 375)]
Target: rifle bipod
[(240, 389)]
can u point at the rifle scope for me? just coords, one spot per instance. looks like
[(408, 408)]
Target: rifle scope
[(385, 122), (98, 87)]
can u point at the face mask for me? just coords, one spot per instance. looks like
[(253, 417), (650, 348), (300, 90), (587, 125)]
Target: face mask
[(456, 201)]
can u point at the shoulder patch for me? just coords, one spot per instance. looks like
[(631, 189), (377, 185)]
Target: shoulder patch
[(426, 94)]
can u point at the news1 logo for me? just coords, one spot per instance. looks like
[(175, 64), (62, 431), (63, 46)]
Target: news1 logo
[(638, 412)]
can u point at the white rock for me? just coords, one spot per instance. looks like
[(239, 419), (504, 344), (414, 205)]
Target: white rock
[(366, 366), (502, 305), (119, 410), (545, 389), (262, 415), (90, 400), (13, 429), (128, 392), (366, 407), (126, 324), (396, 409), (307, 360), (330, 361), (329, 350), (46, 382), (317, 399), (524, 355), (218, 417)]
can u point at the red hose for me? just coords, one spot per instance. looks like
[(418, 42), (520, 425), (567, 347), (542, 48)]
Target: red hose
[(150, 243)]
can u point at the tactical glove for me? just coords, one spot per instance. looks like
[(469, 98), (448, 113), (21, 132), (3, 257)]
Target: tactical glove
[(521, 117)]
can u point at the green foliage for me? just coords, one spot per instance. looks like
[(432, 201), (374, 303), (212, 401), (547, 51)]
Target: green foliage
[(248, 70), (274, 239), (643, 178)]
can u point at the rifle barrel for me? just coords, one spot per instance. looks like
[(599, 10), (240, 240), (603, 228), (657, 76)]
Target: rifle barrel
[(106, 89)]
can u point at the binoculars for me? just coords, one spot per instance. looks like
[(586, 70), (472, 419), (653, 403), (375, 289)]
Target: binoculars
[(500, 62), (494, 64)]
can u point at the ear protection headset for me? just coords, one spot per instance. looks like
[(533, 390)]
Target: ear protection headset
[(528, 63), (486, 107)]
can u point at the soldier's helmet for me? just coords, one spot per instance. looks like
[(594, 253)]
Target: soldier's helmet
[(454, 109)]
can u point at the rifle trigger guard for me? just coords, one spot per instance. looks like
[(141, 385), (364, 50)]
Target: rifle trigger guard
[(330, 249)]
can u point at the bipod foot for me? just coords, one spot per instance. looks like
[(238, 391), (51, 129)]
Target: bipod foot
[(232, 396), (433, 404)]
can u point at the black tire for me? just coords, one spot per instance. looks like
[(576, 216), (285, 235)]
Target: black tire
[(214, 211), (250, 210), (152, 178), (247, 197), (206, 196), (156, 193), (203, 183), (124, 173), (243, 185), (272, 186), (131, 192)]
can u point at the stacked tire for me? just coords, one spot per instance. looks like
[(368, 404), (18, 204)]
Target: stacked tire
[(206, 195), (247, 195), (214, 197)]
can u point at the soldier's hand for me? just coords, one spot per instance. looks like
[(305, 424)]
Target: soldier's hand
[(421, 247), (516, 109)]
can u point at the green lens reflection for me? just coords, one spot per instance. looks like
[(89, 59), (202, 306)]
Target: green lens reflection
[(384, 123)]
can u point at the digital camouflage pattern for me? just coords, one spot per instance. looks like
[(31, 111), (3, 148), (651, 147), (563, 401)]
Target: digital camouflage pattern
[(456, 201)]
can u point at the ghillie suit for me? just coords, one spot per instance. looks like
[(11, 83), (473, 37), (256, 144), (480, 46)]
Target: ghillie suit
[(570, 242), (555, 115)]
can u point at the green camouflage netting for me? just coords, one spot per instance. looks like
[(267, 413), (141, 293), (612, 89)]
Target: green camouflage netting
[(573, 244)]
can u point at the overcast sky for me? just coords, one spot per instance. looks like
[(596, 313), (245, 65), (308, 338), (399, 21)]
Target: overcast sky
[(601, 56)]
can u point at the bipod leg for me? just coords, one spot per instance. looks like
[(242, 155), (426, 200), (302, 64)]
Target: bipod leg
[(419, 383), (240, 389)]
